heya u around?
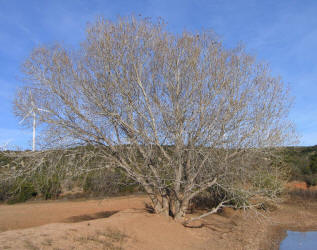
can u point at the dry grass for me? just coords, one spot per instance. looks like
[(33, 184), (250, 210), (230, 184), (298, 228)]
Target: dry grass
[(47, 242), (111, 239), (29, 245), (306, 194)]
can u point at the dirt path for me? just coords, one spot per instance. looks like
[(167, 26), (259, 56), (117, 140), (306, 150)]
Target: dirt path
[(33, 214), (45, 225)]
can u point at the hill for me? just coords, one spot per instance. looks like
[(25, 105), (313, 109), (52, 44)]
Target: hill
[(303, 163)]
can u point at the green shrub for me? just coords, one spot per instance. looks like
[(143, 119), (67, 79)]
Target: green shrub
[(22, 192), (5, 190), (306, 170), (49, 186), (303, 162), (311, 180), (313, 163), (108, 182)]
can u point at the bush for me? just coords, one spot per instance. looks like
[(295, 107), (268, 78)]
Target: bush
[(208, 199), (5, 190), (22, 192), (311, 180), (23, 189), (49, 187), (108, 182), (306, 170), (313, 163), (303, 194), (214, 195), (303, 162)]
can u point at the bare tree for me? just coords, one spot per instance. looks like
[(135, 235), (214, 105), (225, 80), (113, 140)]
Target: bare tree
[(179, 113)]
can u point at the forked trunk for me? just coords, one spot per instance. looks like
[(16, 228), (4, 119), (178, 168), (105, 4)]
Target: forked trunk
[(180, 212), (161, 206), (171, 207)]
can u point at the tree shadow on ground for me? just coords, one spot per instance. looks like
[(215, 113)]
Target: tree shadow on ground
[(85, 217)]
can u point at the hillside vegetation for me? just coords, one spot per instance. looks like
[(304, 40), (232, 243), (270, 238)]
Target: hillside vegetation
[(25, 175), (303, 163), (53, 176)]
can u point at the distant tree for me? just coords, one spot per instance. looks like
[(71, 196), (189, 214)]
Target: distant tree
[(179, 113)]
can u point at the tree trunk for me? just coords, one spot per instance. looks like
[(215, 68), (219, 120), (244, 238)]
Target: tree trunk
[(170, 206), (162, 206), (181, 211)]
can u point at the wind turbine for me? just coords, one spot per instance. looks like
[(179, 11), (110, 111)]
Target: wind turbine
[(33, 113)]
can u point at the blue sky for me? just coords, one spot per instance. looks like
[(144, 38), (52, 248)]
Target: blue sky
[(282, 33)]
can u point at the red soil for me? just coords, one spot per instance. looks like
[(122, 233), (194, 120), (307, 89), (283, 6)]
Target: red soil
[(300, 185), (297, 184), (31, 214), (46, 225)]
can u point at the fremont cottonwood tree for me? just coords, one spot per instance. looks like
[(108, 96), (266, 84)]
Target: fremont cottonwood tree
[(179, 113)]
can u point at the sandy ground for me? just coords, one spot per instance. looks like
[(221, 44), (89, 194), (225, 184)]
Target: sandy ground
[(36, 213), (123, 223)]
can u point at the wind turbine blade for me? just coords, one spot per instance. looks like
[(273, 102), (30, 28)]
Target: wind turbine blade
[(28, 114)]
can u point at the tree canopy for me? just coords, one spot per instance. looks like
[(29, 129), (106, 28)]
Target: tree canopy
[(179, 113)]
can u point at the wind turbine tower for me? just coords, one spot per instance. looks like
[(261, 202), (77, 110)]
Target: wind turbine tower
[(33, 113)]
